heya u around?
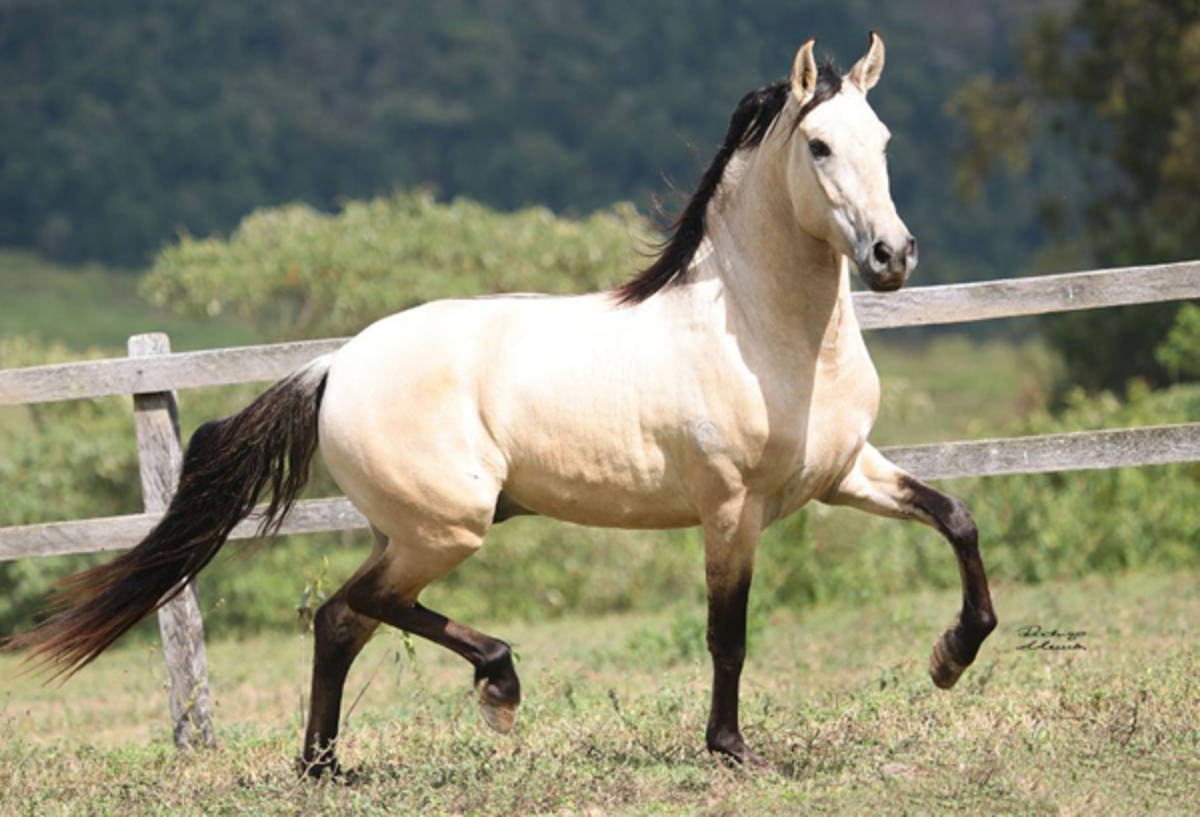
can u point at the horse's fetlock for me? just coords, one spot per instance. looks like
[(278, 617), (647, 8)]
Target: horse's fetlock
[(985, 622), (497, 658), (497, 673)]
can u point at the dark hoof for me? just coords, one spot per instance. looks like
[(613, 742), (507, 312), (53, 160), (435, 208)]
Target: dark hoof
[(945, 666), (729, 747)]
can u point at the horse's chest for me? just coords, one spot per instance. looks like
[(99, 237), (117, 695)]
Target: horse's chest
[(806, 456)]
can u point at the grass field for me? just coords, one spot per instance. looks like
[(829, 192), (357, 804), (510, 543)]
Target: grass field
[(91, 306), (836, 703), (952, 387)]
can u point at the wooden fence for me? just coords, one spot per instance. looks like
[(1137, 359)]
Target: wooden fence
[(151, 373)]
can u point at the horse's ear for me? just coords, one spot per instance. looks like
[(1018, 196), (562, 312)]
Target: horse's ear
[(866, 71), (804, 72)]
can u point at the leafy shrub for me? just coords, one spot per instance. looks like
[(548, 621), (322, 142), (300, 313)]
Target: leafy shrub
[(297, 272), (1179, 353)]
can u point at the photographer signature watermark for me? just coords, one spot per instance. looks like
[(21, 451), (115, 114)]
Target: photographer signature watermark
[(1037, 637)]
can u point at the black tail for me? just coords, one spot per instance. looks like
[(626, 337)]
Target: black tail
[(227, 466)]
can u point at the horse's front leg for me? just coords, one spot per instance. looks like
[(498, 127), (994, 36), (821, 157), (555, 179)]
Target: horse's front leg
[(730, 536), (878, 486)]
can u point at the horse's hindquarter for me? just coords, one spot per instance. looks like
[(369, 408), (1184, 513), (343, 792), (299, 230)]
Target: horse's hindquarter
[(400, 427)]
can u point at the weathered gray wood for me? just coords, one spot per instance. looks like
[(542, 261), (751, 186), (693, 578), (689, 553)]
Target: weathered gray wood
[(916, 306), (97, 535), (123, 532), (1080, 450), (160, 372), (1152, 445), (1011, 297), (160, 458)]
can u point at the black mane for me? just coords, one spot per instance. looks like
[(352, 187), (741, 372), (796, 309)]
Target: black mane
[(747, 127)]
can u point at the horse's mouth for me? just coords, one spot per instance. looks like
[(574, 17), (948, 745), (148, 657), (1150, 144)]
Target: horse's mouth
[(882, 282)]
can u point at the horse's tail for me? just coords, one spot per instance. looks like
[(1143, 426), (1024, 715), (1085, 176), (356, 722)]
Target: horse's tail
[(227, 466)]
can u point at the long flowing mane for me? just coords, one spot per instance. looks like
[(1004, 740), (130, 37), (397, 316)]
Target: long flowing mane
[(750, 122)]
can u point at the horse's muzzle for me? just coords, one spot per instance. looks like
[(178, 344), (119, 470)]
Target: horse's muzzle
[(885, 268)]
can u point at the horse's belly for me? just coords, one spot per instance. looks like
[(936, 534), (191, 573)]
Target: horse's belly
[(598, 487)]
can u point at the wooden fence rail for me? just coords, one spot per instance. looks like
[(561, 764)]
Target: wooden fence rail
[(1076, 451), (152, 373)]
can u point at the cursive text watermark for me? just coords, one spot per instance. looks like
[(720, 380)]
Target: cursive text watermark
[(1037, 637)]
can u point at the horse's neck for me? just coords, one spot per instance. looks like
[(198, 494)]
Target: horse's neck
[(780, 285)]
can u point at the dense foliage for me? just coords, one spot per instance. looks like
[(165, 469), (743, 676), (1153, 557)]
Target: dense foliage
[(126, 122), (295, 271), (1112, 88)]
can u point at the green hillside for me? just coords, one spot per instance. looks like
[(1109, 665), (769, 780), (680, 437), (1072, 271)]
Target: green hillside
[(127, 122), (93, 306)]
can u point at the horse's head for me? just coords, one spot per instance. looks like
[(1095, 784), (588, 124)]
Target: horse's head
[(837, 167)]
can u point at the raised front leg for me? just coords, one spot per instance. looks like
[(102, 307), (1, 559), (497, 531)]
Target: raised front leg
[(730, 538), (877, 486)]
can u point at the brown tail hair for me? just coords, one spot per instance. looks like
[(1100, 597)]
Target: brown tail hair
[(228, 465)]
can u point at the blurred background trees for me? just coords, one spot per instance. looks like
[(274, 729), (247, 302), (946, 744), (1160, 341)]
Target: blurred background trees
[(126, 123), (1112, 89)]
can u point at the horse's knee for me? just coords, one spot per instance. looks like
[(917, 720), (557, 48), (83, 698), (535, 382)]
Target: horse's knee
[(363, 596), (983, 622)]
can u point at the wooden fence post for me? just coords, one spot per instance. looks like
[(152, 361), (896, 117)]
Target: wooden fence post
[(160, 457)]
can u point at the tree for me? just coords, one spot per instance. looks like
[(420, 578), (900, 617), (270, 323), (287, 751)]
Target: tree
[(1117, 84), (128, 121)]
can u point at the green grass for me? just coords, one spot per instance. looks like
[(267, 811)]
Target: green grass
[(950, 387), (836, 703), (92, 306)]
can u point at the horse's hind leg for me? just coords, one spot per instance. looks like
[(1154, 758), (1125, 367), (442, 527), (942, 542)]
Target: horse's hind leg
[(388, 592), (878, 486), (339, 636)]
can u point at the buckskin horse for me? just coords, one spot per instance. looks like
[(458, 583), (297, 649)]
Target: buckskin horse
[(725, 386)]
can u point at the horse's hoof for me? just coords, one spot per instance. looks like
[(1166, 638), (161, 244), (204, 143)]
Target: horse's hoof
[(499, 715), (730, 748), (943, 668)]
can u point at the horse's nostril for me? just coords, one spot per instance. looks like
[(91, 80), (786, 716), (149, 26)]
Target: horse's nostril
[(882, 253), (910, 249)]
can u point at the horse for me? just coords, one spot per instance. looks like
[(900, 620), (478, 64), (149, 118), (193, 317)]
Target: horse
[(725, 385)]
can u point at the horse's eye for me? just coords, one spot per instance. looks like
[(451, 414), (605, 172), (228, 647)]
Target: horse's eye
[(819, 149)]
